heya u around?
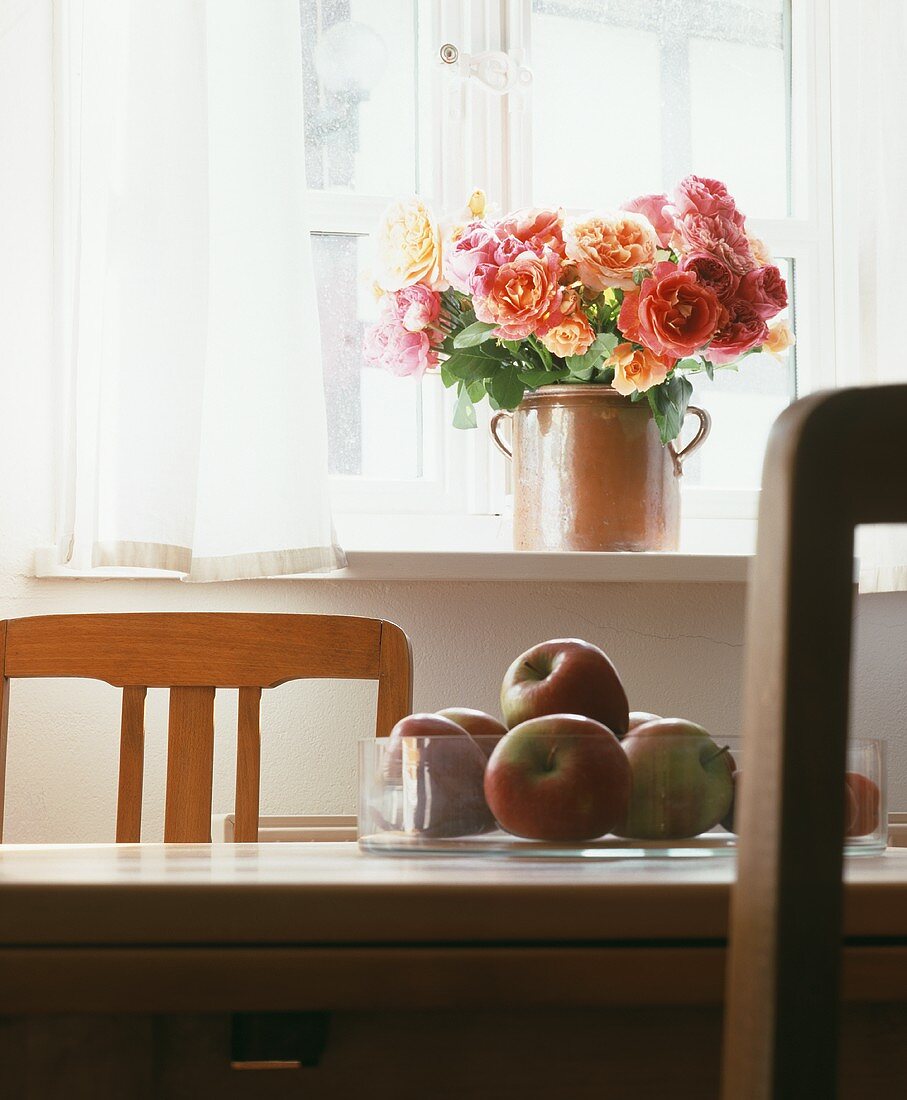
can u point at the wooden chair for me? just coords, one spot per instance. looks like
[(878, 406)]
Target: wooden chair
[(193, 655), (834, 461)]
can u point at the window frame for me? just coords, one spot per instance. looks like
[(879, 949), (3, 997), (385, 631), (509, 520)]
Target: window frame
[(471, 125)]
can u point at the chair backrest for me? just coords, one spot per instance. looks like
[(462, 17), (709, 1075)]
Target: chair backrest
[(834, 461), (193, 655)]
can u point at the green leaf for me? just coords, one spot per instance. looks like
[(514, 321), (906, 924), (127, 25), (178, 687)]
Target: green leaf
[(641, 273), (465, 412), (476, 333), (668, 403), (709, 369), (689, 365), (468, 365), (535, 378), (581, 366), (476, 390), (506, 388), (447, 378)]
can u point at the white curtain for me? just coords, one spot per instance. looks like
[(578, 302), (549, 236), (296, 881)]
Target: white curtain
[(193, 424), (869, 115)]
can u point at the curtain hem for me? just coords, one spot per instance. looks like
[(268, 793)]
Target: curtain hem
[(231, 567), (886, 578)]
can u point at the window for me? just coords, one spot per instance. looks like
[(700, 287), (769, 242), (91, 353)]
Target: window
[(737, 91)]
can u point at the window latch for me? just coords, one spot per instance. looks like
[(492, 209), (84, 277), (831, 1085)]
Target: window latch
[(495, 70)]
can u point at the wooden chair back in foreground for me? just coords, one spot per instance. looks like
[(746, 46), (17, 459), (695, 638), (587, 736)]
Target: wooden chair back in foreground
[(834, 461), (193, 655)]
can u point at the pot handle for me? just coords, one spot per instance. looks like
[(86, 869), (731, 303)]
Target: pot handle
[(702, 434), (496, 420)]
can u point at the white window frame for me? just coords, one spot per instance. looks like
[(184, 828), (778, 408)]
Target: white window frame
[(482, 139)]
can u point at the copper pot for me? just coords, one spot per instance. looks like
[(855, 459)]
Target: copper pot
[(590, 471)]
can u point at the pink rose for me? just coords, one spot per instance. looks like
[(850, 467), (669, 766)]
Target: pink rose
[(764, 289), (711, 272), (393, 348), (417, 307), (671, 313), (538, 227), (710, 198), (476, 246), (653, 208), (743, 330), (522, 296), (718, 236)]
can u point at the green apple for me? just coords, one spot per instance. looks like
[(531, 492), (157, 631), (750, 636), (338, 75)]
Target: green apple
[(682, 782)]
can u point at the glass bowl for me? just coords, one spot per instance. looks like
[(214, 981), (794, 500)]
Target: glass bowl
[(557, 798)]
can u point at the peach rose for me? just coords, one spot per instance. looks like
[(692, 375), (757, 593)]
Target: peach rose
[(522, 296), (760, 250), (637, 369), (608, 248), (572, 335), (408, 247), (779, 339)]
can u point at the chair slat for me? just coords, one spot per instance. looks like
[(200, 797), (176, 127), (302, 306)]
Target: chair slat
[(4, 721), (248, 764), (190, 765), (395, 678), (132, 766)]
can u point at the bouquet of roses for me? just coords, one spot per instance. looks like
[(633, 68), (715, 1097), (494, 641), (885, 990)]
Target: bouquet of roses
[(638, 299)]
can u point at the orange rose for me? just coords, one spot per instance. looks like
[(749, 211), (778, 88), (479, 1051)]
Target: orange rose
[(573, 336), (637, 369), (607, 249)]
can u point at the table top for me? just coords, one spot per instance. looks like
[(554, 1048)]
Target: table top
[(318, 893)]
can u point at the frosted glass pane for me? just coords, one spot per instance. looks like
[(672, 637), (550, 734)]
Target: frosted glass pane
[(630, 97), (361, 80), (374, 419)]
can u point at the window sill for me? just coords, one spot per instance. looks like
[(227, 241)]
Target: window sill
[(412, 566)]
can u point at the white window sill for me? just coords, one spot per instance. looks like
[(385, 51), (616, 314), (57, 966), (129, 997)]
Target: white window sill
[(411, 566)]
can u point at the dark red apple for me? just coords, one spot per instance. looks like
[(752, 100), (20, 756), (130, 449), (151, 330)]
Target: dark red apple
[(863, 803), (564, 676), (559, 777), (477, 724), (681, 781)]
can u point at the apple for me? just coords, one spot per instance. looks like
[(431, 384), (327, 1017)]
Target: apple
[(477, 724), (682, 782), (639, 718), (442, 770), (558, 777), (861, 812), (564, 676), (729, 821)]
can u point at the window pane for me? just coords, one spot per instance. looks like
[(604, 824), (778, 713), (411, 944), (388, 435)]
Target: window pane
[(374, 419), (744, 405), (361, 81), (629, 97)]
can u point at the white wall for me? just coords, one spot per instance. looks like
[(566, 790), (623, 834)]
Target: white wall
[(679, 647)]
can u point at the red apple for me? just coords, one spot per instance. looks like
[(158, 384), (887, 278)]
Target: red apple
[(442, 771), (564, 676), (559, 777), (639, 718), (861, 812), (414, 725), (681, 781), (477, 724)]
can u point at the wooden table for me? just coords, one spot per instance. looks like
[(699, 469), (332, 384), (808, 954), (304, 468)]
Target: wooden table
[(457, 977)]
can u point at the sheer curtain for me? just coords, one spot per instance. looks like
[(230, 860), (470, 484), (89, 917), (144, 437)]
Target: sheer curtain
[(869, 114), (193, 424)]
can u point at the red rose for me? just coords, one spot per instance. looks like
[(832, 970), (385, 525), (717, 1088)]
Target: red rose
[(764, 289), (743, 330), (672, 313), (713, 273)]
